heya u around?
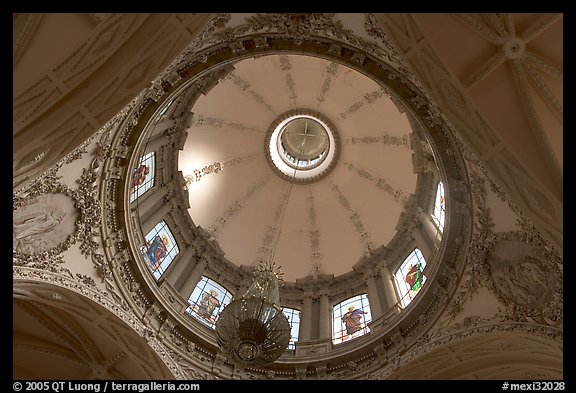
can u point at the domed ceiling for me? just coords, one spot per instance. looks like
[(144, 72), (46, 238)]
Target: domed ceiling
[(324, 224)]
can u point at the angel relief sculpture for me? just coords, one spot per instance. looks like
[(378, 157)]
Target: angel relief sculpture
[(37, 226)]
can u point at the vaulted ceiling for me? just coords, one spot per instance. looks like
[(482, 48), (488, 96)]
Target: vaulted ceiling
[(58, 334), (498, 78), (325, 226)]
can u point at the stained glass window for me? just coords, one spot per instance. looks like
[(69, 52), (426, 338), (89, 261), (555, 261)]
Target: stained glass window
[(160, 249), (409, 277), (207, 301), (142, 177), (293, 316), (440, 207), (350, 319)]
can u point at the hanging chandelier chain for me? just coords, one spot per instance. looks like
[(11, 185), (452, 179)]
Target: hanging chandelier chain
[(271, 262)]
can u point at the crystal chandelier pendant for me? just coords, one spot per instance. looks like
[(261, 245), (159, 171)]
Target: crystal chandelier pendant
[(253, 330)]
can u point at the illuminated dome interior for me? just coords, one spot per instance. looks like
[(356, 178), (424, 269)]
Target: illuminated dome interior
[(343, 164), (402, 171)]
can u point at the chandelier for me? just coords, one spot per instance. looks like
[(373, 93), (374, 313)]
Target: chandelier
[(253, 330)]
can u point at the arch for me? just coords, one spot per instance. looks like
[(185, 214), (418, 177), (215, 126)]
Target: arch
[(491, 355), (59, 333)]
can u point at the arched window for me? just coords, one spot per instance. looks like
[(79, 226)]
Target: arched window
[(410, 277), (207, 301), (439, 207), (160, 249), (142, 177), (293, 316), (350, 319)]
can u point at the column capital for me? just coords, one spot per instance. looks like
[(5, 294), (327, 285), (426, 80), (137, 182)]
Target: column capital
[(323, 293), (308, 295), (370, 274), (383, 266), (414, 225)]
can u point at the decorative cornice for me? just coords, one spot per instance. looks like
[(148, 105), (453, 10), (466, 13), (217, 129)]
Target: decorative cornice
[(205, 38)]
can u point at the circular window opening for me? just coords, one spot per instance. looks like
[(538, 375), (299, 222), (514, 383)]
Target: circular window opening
[(303, 143), (302, 147)]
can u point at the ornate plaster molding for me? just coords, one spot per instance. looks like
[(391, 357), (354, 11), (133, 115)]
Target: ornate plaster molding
[(179, 333)]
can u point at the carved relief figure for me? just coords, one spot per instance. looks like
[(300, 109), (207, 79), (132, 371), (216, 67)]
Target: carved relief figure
[(31, 230), (525, 280)]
